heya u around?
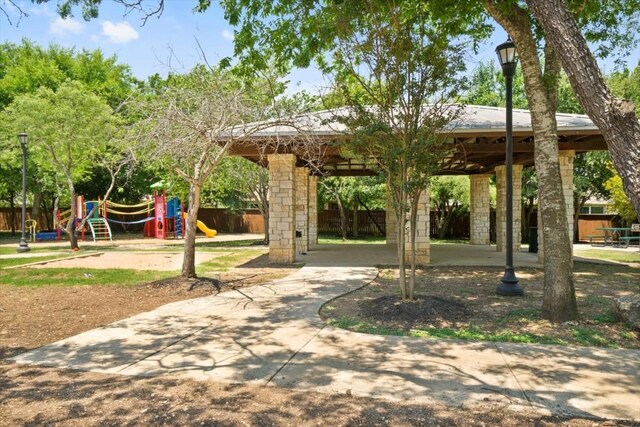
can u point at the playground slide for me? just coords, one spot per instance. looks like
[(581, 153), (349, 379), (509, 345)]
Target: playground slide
[(206, 230), (202, 227)]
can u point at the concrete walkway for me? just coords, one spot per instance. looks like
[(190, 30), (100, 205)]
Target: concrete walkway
[(272, 335)]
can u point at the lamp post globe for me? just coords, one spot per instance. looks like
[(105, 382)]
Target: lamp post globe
[(23, 246), (508, 57)]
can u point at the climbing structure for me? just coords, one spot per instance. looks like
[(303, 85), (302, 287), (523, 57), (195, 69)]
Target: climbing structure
[(100, 229)]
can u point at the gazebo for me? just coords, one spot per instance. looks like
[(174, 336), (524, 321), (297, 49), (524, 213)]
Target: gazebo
[(299, 151)]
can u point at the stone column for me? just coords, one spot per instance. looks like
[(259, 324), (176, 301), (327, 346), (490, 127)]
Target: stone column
[(501, 207), (391, 232), (313, 212), (282, 209), (302, 207), (423, 242), (480, 209)]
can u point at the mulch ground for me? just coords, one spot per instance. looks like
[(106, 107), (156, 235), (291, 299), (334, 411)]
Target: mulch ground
[(458, 298), (30, 317)]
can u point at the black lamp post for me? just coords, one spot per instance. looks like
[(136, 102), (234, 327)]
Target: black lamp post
[(509, 61), (24, 246)]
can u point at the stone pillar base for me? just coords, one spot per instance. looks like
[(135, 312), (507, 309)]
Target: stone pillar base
[(282, 208), (423, 241)]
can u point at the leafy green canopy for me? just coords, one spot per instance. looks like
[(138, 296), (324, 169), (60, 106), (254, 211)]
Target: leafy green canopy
[(287, 33), (25, 67), (70, 130), (487, 87)]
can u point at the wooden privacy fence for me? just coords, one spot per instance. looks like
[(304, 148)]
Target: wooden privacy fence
[(373, 223), (6, 218), (369, 223), (329, 223)]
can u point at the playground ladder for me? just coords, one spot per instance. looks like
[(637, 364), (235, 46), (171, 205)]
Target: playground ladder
[(100, 229), (178, 222)]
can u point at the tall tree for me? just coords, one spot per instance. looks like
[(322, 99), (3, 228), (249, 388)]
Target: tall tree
[(541, 83), (591, 173), (616, 118), (410, 72), (238, 181), (25, 67), (487, 87), (620, 202), (186, 125), (70, 130), (450, 197)]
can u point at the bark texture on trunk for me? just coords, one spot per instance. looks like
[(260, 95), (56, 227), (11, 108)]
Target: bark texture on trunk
[(615, 118), (343, 217), (189, 258), (559, 301), (70, 228), (35, 208)]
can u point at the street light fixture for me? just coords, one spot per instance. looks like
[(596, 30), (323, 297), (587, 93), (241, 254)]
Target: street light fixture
[(508, 58), (24, 246)]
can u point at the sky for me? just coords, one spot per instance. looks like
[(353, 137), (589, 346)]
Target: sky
[(169, 42)]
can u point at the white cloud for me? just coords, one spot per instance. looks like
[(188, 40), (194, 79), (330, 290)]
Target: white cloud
[(121, 32), (60, 26), (228, 35), (41, 10)]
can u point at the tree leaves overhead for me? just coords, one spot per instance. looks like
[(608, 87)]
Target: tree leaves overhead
[(71, 131), (289, 33), (25, 67)]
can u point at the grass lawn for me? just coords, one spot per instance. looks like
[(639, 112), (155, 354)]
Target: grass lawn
[(79, 277), (112, 276), (336, 240), (34, 248), (13, 262), (230, 243), (611, 255), (460, 302)]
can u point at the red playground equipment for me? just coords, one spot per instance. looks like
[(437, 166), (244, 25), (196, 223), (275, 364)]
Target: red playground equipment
[(167, 218), (164, 218)]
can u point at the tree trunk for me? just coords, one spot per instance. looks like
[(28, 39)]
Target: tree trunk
[(47, 214), (615, 118), (412, 235), (70, 228), (12, 204), (400, 203), (35, 208), (355, 218), (446, 221), (371, 217), (343, 217), (189, 259), (579, 203), (442, 219), (265, 221), (402, 280), (559, 300)]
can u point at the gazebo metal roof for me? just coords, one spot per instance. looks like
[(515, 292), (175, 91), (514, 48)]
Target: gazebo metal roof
[(478, 134)]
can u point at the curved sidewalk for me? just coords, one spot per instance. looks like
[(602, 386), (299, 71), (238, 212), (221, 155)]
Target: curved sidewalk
[(272, 335)]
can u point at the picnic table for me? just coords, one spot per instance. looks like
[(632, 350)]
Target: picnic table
[(617, 235)]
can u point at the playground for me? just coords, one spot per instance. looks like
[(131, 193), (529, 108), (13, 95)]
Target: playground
[(161, 217)]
